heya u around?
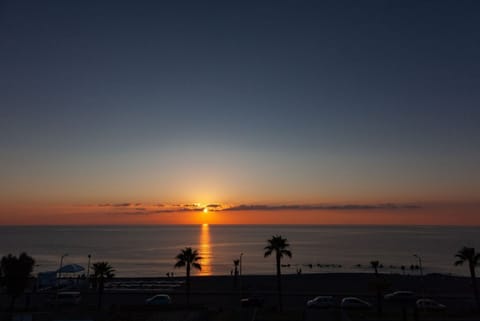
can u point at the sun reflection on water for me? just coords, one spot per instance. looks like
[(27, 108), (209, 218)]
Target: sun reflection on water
[(205, 250)]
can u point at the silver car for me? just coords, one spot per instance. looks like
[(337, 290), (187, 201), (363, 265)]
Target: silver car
[(355, 304), (321, 302), (429, 305), (159, 299)]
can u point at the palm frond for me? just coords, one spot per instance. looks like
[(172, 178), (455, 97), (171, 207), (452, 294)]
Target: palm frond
[(267, 253), (458, 262), (180, 264), (476, 259), (198, 266)]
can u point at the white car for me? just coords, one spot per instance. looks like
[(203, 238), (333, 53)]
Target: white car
[(159, 299), (355, 303), (400, 296), (429, 305), (321, 302)]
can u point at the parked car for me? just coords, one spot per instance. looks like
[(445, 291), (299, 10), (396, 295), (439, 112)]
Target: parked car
[(253, 301), (321, 302), (159, 299), (68, 298), (355, 304), (429, 305), (400, 296)]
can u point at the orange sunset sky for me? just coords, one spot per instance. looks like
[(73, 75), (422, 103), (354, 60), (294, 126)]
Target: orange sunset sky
[(260, 113)]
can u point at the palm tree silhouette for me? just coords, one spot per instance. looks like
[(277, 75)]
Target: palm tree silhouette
[(102, 271), (236, 263), (468, 254), (279, 245), (16, 272), (375, 265), (188, 257)]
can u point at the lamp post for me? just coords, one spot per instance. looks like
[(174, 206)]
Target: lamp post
[(241, 254), (88, 266), (421, 272), (60, 268), (419, 264)]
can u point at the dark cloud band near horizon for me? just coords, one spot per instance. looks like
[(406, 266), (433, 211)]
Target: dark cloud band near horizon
[(146, 210)]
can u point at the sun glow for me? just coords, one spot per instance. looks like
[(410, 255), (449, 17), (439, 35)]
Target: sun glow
[(205, 250), (205, 210)]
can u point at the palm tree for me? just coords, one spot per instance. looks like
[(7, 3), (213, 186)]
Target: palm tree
[(468, 254), (236, 263), (189, 258), (16, 272), (102, 271), (279, 245), (375, 265)]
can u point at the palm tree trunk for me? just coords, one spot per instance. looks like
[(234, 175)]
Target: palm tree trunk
[(474, 285), (12, 303), (188, 284), (379, 294), (235, 278), (100, 293), (279, 283)]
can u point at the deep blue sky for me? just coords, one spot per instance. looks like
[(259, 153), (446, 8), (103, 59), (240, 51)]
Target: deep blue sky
[(254, 101)]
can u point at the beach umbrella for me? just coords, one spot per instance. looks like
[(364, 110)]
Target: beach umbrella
[(71, 268)]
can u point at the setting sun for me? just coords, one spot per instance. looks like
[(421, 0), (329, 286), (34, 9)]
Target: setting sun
[(205, 210)]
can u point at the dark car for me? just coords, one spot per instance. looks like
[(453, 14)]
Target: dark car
[(159, 299), (253, 301), (353, 303), (321, 302), (401, 296), (429, 305)]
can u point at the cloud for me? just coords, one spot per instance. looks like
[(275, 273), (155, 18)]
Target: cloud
[(306, 207), (157, 208), (104, 205), (121, 205)]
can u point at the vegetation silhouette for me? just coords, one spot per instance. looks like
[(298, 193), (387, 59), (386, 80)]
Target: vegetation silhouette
[(468, 254), (102, 271), (16, 272), (280, 246), (236, 264), (188, 258)]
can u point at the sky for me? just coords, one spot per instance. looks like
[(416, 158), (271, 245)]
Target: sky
[(282, 112)]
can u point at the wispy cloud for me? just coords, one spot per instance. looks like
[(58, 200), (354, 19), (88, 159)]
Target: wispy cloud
[(306, 207), (163, 208)]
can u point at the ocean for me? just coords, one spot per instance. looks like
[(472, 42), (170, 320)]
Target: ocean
[(149, 251)]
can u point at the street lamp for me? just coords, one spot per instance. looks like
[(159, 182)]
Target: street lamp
[(60, 268), (241, 254), (419, 264), (88, 266), (240, 279), (421, 273)]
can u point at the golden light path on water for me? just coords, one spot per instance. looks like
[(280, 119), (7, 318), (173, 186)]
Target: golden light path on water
[(205, 250)]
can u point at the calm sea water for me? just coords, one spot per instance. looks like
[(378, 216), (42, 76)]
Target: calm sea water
[(150, 250)]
